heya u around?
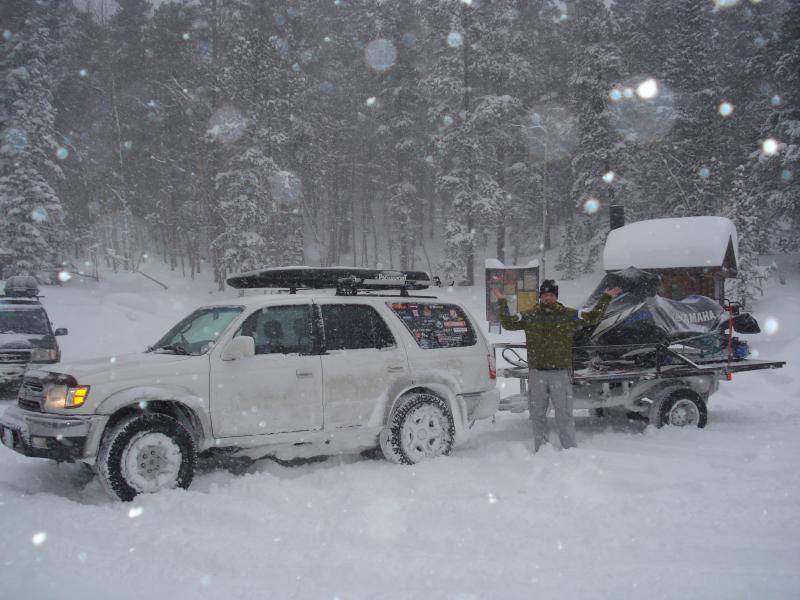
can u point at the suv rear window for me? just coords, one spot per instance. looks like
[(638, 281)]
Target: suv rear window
[(435, 325), (354, 326)]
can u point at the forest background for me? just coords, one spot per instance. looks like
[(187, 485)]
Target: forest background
[(234, 134)]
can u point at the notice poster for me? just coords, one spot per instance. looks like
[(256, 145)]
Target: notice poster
[(518, 284)]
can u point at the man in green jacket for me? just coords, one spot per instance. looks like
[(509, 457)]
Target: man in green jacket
[(549, 328)]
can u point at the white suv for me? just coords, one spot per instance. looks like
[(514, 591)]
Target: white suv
[(281, 375)]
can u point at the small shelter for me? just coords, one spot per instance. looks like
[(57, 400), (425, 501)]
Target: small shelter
[(693, 255)]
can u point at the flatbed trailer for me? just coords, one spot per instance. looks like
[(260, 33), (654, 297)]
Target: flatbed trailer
[(672, 388)]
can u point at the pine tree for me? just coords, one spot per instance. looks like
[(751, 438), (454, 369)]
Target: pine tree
[(32, 224), (569, 259), (748, 215), (256, 233)]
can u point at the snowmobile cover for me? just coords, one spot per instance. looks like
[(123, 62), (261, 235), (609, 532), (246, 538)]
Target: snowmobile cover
[(640, 316)]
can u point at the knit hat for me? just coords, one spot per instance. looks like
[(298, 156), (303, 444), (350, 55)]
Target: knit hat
[(548, 285)]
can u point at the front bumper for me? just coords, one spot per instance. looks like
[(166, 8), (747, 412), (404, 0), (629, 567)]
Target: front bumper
[(12, 374), (482, 405), (58, 437)]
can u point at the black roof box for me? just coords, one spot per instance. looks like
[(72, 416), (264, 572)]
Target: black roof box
[(345, 280)]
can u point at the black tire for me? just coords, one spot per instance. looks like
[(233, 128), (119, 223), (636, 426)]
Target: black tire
[(402, 444), (680, 408), (132, 434)]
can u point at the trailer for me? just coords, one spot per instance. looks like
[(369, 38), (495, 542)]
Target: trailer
[(666, 385)]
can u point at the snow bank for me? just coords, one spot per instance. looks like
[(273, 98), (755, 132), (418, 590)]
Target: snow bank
[(670, 243)]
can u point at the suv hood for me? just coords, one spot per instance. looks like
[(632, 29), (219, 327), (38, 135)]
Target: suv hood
[(99, 370), (14, 341)]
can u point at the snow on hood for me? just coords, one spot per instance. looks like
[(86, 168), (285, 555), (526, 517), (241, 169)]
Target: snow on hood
[(22, 340), (117, 367)]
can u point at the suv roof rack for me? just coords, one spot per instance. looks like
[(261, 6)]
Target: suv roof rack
[(346, 281)]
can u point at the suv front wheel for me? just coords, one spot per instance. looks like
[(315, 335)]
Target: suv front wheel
[(420, 429), (146, 453)]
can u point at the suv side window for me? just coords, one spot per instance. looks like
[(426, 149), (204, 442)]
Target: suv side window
[(354, 326), (435, 325), (280, 329)]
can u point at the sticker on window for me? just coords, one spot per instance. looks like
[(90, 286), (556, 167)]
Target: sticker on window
[(435, 325)]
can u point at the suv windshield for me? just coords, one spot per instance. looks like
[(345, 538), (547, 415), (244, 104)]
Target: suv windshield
[(32, 322), (197, 333)]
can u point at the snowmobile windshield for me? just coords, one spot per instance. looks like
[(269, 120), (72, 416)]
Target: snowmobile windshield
[(636, 285), (197, 333), (33, 322)]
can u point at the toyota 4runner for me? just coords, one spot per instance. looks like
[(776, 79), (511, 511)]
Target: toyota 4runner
[(280, 375)]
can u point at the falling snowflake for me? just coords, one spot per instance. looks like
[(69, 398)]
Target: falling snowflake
[(380, 54), (609, 176), (371, 101), (39, 538), (62, 153), (771, 326), (226, 125), (64, 276), (591, 206), (725, 109), (135, 512), (39, 214), (704, 172), (454, 39), (647, 89), (769, 147)]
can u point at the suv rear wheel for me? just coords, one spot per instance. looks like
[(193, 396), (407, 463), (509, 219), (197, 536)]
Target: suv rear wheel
[(421, 428), (146, 453)]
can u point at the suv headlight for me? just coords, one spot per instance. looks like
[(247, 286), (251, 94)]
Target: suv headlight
[(44, 355), (61, 396)]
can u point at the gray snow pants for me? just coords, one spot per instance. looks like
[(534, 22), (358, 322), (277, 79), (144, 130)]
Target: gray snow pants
[(546, 386)]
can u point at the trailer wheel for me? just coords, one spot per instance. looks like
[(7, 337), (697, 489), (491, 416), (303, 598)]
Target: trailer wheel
[(681, 408)]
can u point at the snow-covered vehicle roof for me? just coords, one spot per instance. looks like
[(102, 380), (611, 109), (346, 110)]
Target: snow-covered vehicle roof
[(682, 242)]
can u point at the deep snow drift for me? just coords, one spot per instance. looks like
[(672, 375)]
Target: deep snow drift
[(633, 512)]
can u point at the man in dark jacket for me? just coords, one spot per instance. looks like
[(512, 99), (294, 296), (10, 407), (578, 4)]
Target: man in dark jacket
[(549, 328)]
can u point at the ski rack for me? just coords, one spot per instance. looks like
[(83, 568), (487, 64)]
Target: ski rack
[(346, 281), (678, 365)]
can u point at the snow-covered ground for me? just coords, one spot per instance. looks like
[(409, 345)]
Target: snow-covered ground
[(633, 512)]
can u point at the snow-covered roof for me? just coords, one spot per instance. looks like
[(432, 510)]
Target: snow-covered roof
[(670, 243), (493, 263)]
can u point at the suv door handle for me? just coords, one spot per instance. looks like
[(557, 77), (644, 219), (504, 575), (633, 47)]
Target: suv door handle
[(304, 373), (395, 368)]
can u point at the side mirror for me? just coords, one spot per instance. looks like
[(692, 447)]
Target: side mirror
[(239, 347), (61, 331)]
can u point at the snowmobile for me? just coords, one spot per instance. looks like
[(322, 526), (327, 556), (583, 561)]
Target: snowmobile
[(639, 320)]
